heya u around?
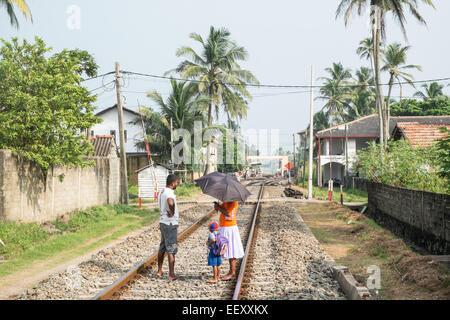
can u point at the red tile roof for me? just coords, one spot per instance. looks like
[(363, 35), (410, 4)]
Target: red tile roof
[(421, 134), (105, 146)]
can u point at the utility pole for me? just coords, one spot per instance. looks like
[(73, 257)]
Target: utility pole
[(346, 151), (293, 145), (123, 155), (171, 141), (311, 124), (304, 158)]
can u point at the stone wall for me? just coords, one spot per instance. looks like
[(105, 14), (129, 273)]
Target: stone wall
[(420, 217), (351, 182), (27, 197)]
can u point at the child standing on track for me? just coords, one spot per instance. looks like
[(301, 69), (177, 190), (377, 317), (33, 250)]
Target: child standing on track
[(213, 260)]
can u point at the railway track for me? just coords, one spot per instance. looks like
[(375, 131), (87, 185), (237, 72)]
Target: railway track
[(140, 282), (283, 260)]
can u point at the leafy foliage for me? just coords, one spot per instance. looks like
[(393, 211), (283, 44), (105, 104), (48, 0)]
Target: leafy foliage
[(431, 107), (43, 108), (401, 165), (216, 67), (443, 149), (23, 7), (230, 167)]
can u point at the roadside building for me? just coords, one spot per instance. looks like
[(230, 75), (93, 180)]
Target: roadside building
[(136, 157), (146, 180), (104, 146), (421, 135), (338, 145)]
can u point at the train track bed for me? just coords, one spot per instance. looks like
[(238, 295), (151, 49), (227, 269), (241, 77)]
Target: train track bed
[(191, 264), (88, 278), (286, 261)]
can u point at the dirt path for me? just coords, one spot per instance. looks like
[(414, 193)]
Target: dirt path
[(14, 284)]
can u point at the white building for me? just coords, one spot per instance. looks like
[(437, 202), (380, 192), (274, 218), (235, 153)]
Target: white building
[(358, 134), (110, 126), (146, 180)]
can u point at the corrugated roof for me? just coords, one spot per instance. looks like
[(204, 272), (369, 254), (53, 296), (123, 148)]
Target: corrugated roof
[(420, 134), (104, 146), (368, 126)]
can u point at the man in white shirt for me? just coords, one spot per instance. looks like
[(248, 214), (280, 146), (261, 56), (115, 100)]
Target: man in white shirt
[(168, 224)]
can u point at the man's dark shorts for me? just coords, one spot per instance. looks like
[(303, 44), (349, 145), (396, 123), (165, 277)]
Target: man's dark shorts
[(169, 235)]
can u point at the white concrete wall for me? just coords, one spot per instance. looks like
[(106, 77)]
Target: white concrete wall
[(26, 197), (110, 122)]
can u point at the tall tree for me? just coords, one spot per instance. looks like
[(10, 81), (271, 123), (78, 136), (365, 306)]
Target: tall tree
[(335, 91), (43, 108), (395, 63), (432, 90), (184, 106), (23, 7), (366, 51), (218, 72), (378, 10)]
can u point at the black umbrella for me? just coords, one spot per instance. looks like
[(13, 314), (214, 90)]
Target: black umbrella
[(222, 186)]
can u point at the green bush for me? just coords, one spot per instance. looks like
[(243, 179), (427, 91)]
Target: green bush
[(402, 165), (20, 236)]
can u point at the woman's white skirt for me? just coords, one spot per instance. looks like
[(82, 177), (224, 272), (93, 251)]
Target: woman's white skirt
[(235, 249)]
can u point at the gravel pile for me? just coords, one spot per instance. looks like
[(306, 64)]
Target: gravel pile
[(88, 278), (287, 261)]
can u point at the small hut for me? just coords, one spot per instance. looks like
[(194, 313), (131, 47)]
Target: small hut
[(146, 180)]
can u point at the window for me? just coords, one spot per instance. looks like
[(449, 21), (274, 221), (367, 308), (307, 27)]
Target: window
[(92, 133), (113, 133), (125, 134)]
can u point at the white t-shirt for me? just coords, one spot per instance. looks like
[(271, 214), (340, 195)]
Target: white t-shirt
[(165, 194)]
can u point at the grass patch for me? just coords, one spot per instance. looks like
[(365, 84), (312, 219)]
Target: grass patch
[(29, 243), (358, 242), (133, 191), (350, 195), (187, 190)]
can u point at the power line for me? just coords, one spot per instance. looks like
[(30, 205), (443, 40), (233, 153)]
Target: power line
[(278, 86), (101, 75)]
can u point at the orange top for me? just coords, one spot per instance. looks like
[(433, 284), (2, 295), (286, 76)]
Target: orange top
[(231, 208)]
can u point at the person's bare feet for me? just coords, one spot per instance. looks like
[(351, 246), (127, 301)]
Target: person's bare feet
[(159, 274), (227, 277), (173, 278), (212, 280)]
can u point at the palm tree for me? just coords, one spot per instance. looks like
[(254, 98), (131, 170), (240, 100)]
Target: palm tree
[(365, 51), (334, 90), (218, 72), (183, 106), (320, 121), (395, 59), (378, 10), (432, 90), (364, 79), (23, 7), (362, 99)]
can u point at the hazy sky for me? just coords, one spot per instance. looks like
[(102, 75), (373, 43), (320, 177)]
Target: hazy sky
[(283, 38)]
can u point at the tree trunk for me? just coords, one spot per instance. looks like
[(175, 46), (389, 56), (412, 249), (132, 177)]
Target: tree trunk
[(229, 119), (376, 32), (388, 102)]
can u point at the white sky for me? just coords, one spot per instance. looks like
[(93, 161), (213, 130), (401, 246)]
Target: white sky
[(283, 39)]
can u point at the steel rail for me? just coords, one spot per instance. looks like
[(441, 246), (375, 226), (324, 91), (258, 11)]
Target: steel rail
[(108, 292), (237, 290)]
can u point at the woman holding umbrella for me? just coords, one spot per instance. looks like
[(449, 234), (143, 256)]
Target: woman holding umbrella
[(228, 190), (229, 229)]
